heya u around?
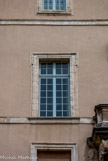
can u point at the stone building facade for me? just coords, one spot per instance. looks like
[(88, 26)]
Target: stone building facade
[(53, 71)]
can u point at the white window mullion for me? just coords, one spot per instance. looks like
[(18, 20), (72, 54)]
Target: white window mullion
[(54, 90), (54, 4)]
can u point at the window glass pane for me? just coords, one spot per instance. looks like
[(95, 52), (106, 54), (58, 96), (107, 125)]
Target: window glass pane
[(43, 65), (65, 87), (49, 87), (49, 100), (43, 93), (43, 68), (43, 81), (45, 4), (59, 107), (50, 107), (58, 100), (49, 113), (42, 113), (58, 113), (49, 94), (64, 65), (65, 106), (58, 87), (65, 93), (42, 107), (43, 71), (57, 5), (43, 100), (65, 113), (50, 81), (58, 71), (58, 81), (58, 94), (65, 100), (43, 87), (50, 4), (63, 4), (49, 71), (65, 71), (58, 65), (65, 81)]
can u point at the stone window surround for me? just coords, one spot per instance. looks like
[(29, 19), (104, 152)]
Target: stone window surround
[(35, 58), (68, 10), (71, 147)]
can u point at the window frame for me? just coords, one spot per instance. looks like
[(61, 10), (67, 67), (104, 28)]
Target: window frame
[(35, 58), (72, 147), (54, 76)]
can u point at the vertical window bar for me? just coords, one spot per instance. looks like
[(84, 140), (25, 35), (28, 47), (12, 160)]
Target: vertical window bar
[(62, 95), (54, 90)]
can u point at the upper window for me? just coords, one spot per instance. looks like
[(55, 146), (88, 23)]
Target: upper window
[(54, 100), (54, 5)]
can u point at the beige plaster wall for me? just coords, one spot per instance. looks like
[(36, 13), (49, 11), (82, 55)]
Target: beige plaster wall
[(15, 140), (26, 9), (16, 43)]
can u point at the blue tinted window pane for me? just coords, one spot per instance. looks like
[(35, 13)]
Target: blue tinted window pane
[(58, 113), (65, 81), (65, 71), (43, 94), (49, 100), (65, 87), (58, 87), (58, 81), (43, 65), (57, 5), (45, 4), (43, 107), (43, 100), (43, 71), (50, 65), (43, 81), (58, 71), (65, 113), (49, 87), (49, 94), (59, 107), (65, 93), (50, 81), (65, 100), (58, 100), (49, 113), (49, 107), (43, 87), (58, 94), (49, 71), (63, 5), (65, 106), (42, 113), (58, 65), (64, 65)]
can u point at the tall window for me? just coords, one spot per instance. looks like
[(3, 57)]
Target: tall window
[(54, 5), (54, 94)]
